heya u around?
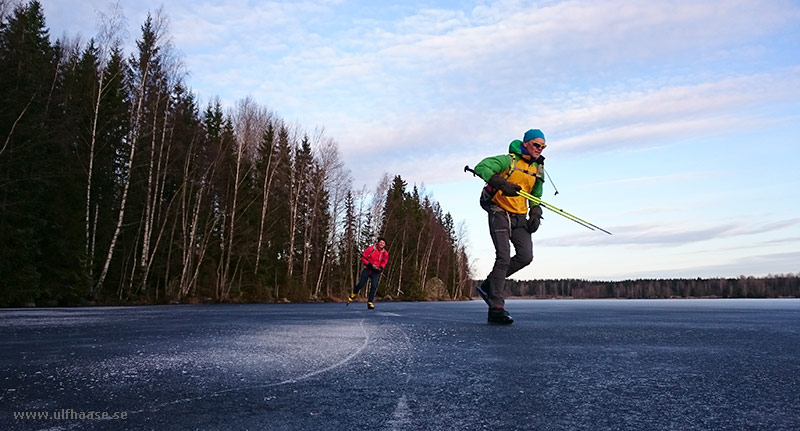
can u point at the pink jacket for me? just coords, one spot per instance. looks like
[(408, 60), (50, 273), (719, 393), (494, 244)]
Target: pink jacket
[(378, 258)]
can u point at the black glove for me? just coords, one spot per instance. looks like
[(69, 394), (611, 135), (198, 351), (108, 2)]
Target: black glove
[(370, 266), (534, 218), (501, 184)]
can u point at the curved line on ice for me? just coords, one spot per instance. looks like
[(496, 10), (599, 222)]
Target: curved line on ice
[(331, 367), (287, 381)]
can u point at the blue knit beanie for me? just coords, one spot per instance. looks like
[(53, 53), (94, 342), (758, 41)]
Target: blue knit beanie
[(532, 134)]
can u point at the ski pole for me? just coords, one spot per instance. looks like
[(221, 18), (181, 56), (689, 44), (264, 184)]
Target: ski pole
[(551, 182), (550, 207), (557, 210), (564, 214)]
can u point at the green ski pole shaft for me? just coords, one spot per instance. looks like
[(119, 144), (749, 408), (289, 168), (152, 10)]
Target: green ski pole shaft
[(560, 211), (564, 214)]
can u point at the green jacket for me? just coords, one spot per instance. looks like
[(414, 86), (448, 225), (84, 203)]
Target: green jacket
[(512, 167)]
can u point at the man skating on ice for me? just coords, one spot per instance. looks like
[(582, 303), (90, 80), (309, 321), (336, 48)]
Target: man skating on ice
[(507, 174), (374, 258)]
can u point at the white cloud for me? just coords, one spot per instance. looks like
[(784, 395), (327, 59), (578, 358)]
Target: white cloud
[(639, 118), (669, 234)]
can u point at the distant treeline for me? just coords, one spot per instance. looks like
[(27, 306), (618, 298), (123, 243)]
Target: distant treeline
[(772, 286)]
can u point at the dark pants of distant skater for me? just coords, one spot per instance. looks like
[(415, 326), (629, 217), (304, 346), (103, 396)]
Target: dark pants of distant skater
[(373, 276)]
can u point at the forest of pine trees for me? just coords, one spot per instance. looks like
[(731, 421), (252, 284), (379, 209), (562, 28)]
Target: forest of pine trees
[(116, 187)]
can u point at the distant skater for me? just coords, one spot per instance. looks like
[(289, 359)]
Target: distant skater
[(374, 258), (507, 174)]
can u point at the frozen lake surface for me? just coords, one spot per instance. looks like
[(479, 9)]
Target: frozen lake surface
[(720, 364)]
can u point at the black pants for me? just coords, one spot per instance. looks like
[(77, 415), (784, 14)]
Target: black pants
[(507, 228), (373, 276)]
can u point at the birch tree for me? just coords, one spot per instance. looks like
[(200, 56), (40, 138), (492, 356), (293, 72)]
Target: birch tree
[(336, 178), (249, 123), (166, 81), (108, 41), (142, 69), (266, 164)]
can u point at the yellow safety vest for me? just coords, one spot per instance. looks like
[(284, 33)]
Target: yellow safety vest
[(523, 174)]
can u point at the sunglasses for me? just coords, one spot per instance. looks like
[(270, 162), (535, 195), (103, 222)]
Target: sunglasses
[(538, 145)]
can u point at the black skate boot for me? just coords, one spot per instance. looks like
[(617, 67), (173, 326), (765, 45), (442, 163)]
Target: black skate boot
[(500, 316)]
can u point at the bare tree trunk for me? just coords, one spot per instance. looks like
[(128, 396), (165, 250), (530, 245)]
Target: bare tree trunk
[(110, 28), (168, 287), (136, 250), (155, 193), (93, 245), (133, 138), (120, 288), (151, 258), (336, 179), (419, 257), (187, 237), (89, 238), (249, 124), (221, 263), (294, 200), (400, 270), (332, 178), (123, 199), (147, 223), (269, 174), (132, 260), (191, 204), (292, 231), (318, 285), (426, 258), (462, 261), (192, 266), (225, 276), (14, 126), (309, 223)]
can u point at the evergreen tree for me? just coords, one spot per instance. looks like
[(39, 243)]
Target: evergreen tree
[(347, 250), (29, 156), (67, 278), (304, 171), (278, 246), (219, 132), (319, 251)]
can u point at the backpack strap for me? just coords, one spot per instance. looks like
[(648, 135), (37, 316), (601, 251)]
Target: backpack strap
[(539, 174)]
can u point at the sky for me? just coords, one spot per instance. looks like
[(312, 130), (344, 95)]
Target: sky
[(675, 124)]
